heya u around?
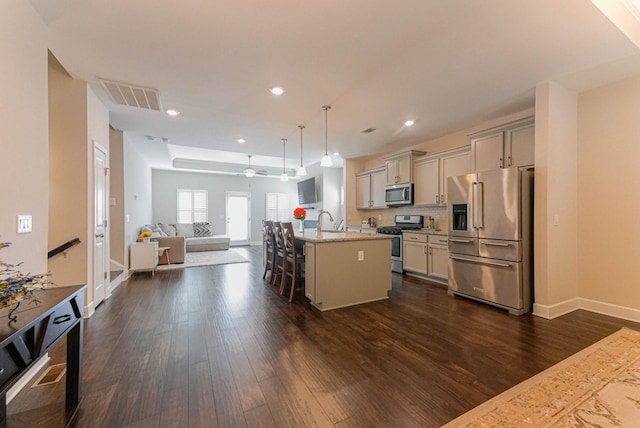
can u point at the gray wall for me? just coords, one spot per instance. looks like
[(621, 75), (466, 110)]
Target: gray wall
[(166, 183)]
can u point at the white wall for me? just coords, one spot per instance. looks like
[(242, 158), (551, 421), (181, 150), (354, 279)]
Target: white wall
[(167, 183), (137, 194), (67, 174), (556, 194), (23, 134), (609, 198), (116, 190)]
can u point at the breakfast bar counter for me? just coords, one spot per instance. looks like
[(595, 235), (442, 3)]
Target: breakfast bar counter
[(345, 268)]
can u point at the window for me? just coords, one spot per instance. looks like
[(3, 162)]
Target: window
[(278, 207), (192, 206)]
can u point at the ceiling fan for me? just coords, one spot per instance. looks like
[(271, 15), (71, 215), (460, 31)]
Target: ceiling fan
[(250, 172)]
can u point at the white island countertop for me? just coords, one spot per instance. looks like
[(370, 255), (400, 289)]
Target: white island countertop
[(311, 235)]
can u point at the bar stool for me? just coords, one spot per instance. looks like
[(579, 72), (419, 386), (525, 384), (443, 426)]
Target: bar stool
[(269, 243), (278, 254), (293, 261)]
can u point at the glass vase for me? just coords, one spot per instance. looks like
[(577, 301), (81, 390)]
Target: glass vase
[(301, 227)]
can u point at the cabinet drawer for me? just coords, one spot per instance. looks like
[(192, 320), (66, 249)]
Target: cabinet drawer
[(498, 249), (438, 240), (496, 282), (60, 321), (8, 366), (414, 237)]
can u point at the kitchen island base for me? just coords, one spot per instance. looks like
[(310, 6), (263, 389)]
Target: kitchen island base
[(341, 273)]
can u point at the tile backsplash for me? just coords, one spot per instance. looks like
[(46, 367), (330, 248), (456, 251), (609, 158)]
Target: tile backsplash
[(386, 217)]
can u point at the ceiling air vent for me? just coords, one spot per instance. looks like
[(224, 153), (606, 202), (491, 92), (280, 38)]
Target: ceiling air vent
[(368, 130), (133, 96)]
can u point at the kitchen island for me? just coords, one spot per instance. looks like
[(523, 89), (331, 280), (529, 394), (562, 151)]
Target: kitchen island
[(345, 268)]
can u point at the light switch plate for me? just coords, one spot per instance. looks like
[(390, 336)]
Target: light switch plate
[(24, 223)]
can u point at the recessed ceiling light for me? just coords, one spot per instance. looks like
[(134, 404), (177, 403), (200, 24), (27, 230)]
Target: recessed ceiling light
[(409, 123), (172, 112), (336, 153), (277, 90), (241, 140)]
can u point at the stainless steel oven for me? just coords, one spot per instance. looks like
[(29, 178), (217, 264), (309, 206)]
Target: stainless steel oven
[(403, 222)]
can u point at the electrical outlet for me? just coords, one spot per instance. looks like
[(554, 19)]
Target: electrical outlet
[(360, 256), (24, 223)]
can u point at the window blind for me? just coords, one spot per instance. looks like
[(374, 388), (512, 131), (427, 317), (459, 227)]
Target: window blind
[(192, 206), (277, 207)]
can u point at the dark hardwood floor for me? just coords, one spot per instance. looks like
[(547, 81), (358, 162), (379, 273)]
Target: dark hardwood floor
[(217, 347)]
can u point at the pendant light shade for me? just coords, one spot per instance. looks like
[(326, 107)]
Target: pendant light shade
[(302, 171), (283, 176), (326, 159), (249, 172)]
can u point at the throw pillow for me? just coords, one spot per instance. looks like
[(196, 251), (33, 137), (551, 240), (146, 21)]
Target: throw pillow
[(155, 230), (169, 229), (202, 229), (185, 229)]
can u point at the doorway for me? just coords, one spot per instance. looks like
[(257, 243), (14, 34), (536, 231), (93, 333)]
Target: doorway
[(238, 209), (100, 252)]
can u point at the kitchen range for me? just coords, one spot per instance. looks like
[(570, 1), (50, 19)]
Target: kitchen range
[(490, 234), (402, 222)]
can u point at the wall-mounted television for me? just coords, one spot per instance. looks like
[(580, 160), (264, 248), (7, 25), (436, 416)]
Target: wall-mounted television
[(307, 192)]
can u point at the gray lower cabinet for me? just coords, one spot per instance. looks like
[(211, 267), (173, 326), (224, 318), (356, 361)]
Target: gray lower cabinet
[(426, 256)]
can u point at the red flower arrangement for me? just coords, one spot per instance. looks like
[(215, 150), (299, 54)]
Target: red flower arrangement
[(299, 213)]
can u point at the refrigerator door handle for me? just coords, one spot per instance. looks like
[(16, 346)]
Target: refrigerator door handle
[(473, 205), (495, 244), (479, 205), (482, 262)]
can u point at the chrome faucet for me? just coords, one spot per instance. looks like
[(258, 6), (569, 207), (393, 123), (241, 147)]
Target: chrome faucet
[(319, 225)]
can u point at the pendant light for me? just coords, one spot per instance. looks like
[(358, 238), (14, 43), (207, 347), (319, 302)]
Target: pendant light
[(302, 171), (326, 159), (283, 176), (249, 172)]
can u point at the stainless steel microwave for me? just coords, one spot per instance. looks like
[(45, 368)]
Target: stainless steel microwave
[(399, 194)]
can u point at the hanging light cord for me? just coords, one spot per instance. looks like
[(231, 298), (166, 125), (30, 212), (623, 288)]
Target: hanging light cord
[(284, 140), (301, 128), (326, 128)]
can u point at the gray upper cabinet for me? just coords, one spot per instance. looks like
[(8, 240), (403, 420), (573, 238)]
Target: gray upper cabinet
[(430, 174), (400, 167), (370, 186), (512, 144)]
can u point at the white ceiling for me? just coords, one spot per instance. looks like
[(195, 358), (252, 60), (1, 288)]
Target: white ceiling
[(448, 64)]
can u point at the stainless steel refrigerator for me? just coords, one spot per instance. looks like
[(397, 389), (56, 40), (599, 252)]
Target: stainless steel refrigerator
[(490, 237)]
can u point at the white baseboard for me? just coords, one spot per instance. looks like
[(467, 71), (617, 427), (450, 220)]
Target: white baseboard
[(115, 283), (556, 310), (26, 378), (623, 312), (89, 310), (562, 308)]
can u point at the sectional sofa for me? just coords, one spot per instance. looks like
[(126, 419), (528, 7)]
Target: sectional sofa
[(182, 238)]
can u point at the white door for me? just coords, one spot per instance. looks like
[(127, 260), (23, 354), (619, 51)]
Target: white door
[(100, 224), (237, 208)]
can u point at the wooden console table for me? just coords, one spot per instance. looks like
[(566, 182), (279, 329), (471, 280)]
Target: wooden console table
[(22, 343)]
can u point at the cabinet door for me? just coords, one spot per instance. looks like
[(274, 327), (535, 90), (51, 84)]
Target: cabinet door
[(378, 184), (403, 169), (310, 271), (143, 255), (414, 257), (426, 187), (520, 144), (392, 171), (451, 166), (438, 261), (363, 191), (487, 152)]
